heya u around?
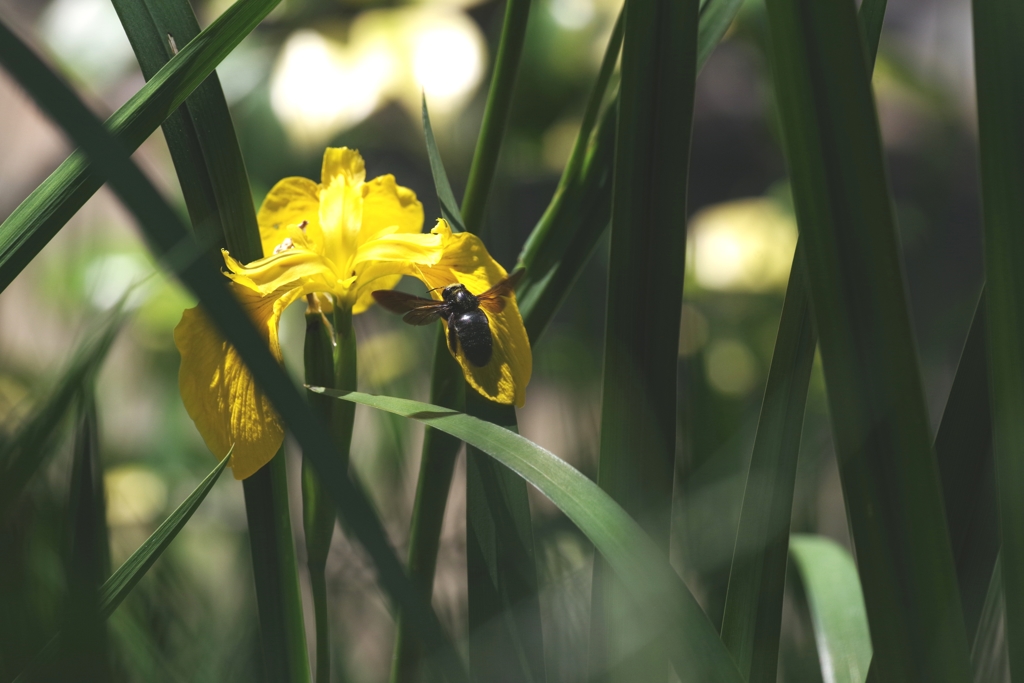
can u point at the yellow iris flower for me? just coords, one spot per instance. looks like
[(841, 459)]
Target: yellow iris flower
[(344, 237)]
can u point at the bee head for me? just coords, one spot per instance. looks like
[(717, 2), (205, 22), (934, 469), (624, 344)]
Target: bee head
[(454, 292)]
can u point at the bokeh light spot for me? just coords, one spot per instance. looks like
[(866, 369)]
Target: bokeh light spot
[(731, 367)]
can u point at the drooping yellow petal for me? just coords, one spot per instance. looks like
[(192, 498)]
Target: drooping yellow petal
[(219, 393), (467, 261), (386, 204), (291, 268), (341, 203), (505, 377), (291, 210)]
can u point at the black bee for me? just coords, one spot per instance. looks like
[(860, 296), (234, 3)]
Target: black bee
[(462, 310)]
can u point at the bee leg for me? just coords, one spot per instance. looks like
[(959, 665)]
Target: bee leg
[(453, 339)]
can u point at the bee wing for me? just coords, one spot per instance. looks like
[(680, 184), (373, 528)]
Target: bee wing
[(418, 311), (493, 300), (424, 315)]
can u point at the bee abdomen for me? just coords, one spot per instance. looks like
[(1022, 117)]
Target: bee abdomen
[(474, 333)]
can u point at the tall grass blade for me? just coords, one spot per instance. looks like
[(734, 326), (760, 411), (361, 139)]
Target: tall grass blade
[(989, 656), (330, 359), (565, 236), (830, 581), (669, 608), (168, 239), (87, 657), (26, 451), (35, 221), (963, 449), (437, 462), (753, 608), (645, 290), (880, 426), (449, 206), (504, 613), (117, 587), (200, 134), (568, 232), (216, 187), (496, 112), (505, 635), (999, 70), (871, 15), (753, 604)]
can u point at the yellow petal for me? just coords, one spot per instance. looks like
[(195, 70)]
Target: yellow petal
[(219, 393), (505, 377), (380, 263), (341, 203), (291, 210), (388, 205), (342, 163), (291, 268), (467, 261), (427, 250)]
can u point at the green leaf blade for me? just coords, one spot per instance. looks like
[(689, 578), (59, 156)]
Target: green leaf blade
[(830, 581), (32, 225), (753, 605), (888, 471), (999, 67), (645, 289), (670, 608)]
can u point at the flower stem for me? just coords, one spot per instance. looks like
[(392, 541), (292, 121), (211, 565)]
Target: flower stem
[(492, 129), (274, 570), (330, 358), (439, 450)]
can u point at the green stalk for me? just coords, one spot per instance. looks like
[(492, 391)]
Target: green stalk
[(318, 512), (216, 186), (879, 420), (999, 69), (499, 100), (645, 289), (282, 630), (447, 388), (753, 604), (87, 657), (505, 635)]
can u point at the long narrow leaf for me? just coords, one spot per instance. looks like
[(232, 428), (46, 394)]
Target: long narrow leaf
[(496, 113), (116, 588), (216, 188), (753, 607), (753, 604), (25, 452), (88, 655), (963, 450), (449, 207), (44, 212), (830, 581), (669, 607), (505, 635), (437, 463), (167, 238), (999, 75), (989, 655), (645, 290), (888, 471)]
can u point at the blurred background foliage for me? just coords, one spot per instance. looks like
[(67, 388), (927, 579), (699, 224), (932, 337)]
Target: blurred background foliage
[(350, 72)]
